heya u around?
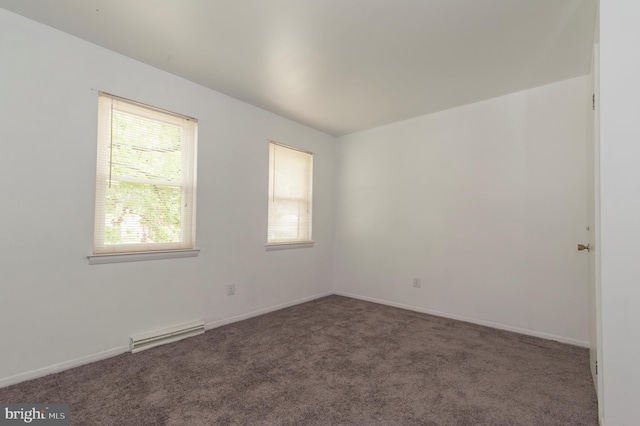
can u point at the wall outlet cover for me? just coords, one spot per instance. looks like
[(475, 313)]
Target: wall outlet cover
[(231, 289)]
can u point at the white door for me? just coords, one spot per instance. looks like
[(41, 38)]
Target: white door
[(593, 231)]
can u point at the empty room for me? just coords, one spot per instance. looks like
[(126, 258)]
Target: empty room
[(319, 212)]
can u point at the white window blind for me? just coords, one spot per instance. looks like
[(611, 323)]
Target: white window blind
[(290, 195), (145, 179)]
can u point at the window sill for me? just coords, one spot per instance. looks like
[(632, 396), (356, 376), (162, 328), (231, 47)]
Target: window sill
[(287, 246), (99, 259)]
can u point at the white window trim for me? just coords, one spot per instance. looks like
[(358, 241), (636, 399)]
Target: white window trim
[(101, 259), (154, 250), (293, 243), (287, 246)]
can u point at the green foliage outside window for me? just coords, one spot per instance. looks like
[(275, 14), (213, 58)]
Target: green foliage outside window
[(144, 195)]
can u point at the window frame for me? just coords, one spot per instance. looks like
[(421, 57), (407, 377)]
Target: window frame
[(124, 252), (282, 244)]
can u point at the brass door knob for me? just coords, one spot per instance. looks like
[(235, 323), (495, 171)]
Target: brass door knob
[(582, 247)]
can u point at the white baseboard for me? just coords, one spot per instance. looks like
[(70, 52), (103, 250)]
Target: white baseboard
[(467, 319), (230, 320), (56, 368)]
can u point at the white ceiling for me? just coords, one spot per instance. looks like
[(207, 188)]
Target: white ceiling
[(341, 65)]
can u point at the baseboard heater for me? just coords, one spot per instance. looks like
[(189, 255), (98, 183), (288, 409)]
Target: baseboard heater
[(152, 339)]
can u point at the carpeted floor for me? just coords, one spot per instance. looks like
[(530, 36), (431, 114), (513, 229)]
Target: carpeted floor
[(333, 361)]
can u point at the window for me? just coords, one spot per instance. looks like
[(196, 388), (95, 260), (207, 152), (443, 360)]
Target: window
[(145, 179), (290, 188)]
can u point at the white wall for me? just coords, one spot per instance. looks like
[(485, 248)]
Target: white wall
[(485, 203), (620, 210), (54, 307)]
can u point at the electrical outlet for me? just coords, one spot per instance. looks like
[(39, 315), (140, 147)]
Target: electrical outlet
[(417, 283), (231, 289)]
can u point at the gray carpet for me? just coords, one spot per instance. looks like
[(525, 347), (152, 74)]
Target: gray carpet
[(333, 361)]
